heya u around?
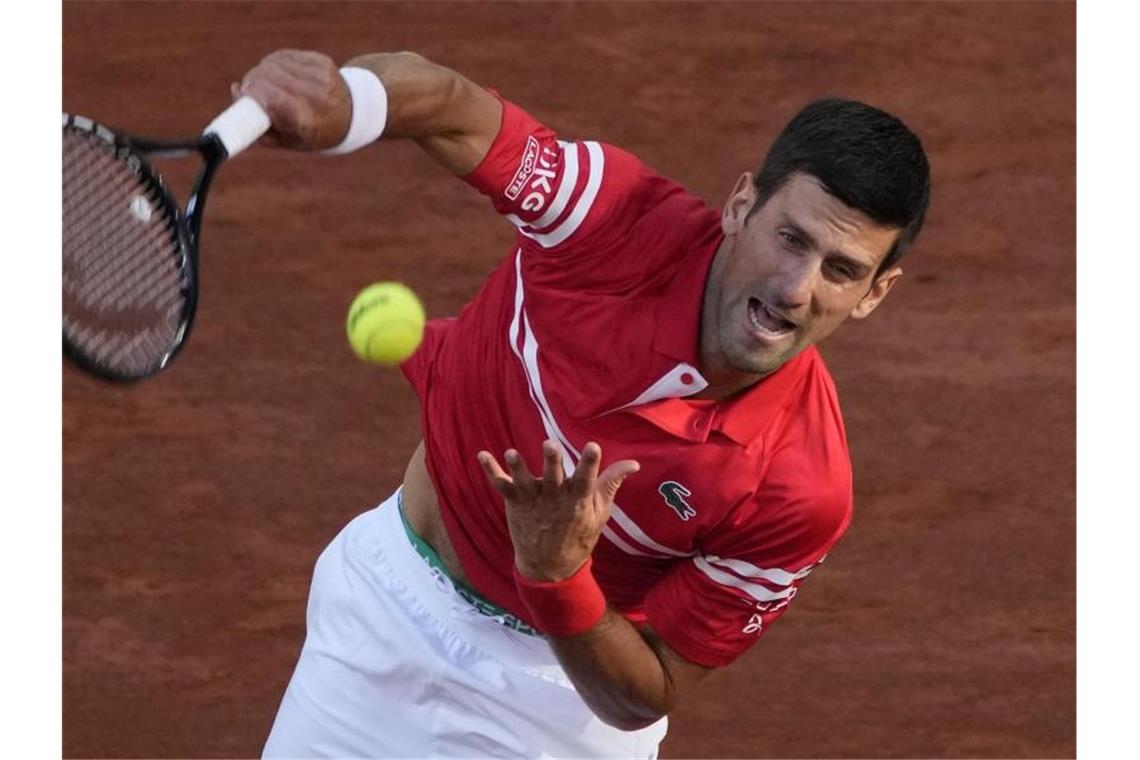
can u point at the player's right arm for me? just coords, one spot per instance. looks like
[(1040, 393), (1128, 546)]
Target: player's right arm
[(573, 202), (453, 119)]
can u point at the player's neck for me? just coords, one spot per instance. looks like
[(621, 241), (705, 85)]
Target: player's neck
[(724, 380), (723, 384)]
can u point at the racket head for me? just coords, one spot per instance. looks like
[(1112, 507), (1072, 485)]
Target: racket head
[(130, 284)]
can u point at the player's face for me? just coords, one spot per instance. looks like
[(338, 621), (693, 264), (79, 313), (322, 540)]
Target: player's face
[(788, 275)]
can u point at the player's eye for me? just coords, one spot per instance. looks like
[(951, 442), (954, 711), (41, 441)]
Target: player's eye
[(791, 239), (841, 271)]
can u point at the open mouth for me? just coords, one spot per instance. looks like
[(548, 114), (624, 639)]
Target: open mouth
[(767, 322)]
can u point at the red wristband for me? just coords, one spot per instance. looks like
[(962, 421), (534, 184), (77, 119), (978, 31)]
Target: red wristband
[(563, 608)]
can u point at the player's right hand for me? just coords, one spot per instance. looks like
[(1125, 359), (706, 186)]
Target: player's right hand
[(305, 96)]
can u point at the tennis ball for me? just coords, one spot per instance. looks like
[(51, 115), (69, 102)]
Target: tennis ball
[(385, 323)]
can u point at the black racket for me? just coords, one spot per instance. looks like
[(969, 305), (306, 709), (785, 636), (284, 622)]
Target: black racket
[(130, 253)]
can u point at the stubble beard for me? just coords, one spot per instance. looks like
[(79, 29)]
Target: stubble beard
[(749, 362), (728, 365)]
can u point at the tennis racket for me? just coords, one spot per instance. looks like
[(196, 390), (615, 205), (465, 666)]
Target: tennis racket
[(130, 252)]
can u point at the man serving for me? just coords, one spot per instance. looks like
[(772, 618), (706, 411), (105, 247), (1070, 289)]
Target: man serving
[(632, 451)]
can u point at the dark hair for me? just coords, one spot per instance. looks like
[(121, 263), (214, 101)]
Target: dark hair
[(865, 157)]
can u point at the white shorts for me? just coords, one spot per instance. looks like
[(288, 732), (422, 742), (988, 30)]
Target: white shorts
[(396, 663)]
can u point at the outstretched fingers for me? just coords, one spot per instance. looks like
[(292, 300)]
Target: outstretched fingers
[(552, 472), (499, 479), (613, 476), (517, 479), (586, 478), (521, 475), (586, 473)]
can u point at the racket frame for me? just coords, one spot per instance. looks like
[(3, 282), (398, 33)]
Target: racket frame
[(136, 153)]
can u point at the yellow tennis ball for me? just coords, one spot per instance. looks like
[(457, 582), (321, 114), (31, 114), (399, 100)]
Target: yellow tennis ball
[(385, 323)]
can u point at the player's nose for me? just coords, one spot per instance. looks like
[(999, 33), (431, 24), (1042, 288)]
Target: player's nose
[(796, 283)]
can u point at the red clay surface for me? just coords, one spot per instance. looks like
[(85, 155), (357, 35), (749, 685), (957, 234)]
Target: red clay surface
[(196, 503)]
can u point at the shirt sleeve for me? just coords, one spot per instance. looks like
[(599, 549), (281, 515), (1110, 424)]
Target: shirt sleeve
[(559, 193), (714, 606)]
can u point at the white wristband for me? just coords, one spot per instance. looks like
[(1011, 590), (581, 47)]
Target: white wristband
[(369, 110)]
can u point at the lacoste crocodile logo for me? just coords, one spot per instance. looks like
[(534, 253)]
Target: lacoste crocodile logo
[(675, 494)]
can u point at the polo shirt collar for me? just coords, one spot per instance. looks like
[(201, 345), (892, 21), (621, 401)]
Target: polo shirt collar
[(744, 416), (741, 418)]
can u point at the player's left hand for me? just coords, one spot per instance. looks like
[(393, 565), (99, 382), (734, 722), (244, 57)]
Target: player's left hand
[(555, 520)]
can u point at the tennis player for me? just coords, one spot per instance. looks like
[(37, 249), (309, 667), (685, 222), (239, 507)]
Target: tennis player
[(632, 453)]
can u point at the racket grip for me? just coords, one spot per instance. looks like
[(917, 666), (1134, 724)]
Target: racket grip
[(240, 125)]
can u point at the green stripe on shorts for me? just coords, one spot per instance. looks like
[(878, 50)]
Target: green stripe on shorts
[(481, 604)]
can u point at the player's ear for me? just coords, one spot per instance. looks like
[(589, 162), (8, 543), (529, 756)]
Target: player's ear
[(738, 205), (879, 289)]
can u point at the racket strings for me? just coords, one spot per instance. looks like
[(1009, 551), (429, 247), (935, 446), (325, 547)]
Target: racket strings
[(94, 181), (124, 285)]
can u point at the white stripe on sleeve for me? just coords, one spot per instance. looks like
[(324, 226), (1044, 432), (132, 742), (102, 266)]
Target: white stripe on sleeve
[(585, 201), (565, 187), (774, 575), (754, 590)]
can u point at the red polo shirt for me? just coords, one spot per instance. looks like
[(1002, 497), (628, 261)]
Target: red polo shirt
[(588, 330)]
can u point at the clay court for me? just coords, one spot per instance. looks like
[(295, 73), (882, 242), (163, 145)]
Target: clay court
[(195, 503)]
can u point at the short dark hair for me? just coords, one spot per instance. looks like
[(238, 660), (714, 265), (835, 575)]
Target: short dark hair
[(865, 157)]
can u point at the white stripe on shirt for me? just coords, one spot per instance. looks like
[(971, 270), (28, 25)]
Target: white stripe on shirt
[(566, 185), (754, 590), (585, 201), (638, 535), (528, 357), (565, 188), (776, 576), (620, 543)]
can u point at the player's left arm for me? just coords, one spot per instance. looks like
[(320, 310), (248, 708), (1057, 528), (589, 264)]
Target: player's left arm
[(628, 678)]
